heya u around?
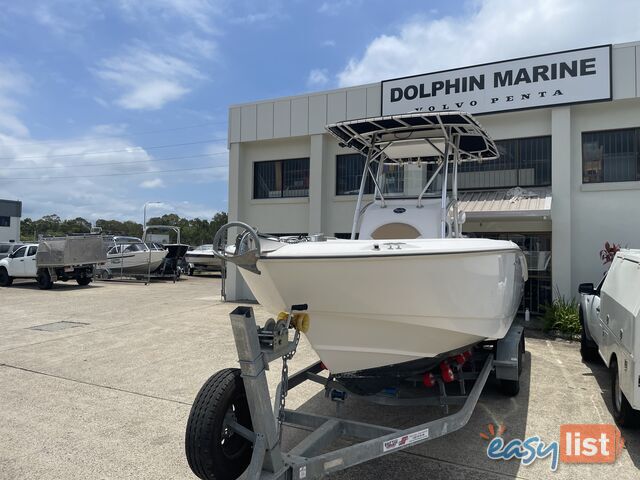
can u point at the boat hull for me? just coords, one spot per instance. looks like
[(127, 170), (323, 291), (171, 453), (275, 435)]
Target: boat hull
[(373, 311), (136, 263)]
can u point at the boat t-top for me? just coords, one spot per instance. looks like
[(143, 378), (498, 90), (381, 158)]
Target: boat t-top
[(408, 289)]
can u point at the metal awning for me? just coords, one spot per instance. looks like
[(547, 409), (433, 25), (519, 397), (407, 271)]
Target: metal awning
[(514, 203)]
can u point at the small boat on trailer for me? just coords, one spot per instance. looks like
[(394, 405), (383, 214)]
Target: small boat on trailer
[(408, 312), (411, 288)]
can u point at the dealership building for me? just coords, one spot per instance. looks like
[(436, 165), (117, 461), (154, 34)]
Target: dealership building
[(10, 214), (567, 126)]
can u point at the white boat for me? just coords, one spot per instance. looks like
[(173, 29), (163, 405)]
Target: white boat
[(203, 258), (411, 291), (130, 255)]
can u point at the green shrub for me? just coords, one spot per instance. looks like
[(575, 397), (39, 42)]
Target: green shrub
[(562, 315)]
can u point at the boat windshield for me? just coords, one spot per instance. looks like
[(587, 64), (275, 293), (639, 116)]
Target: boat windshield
[(408, 179)]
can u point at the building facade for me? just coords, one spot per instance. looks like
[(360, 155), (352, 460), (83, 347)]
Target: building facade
[(568, 179), (10, 214)]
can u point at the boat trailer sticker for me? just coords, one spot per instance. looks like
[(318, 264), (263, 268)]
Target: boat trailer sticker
[(405, 440)]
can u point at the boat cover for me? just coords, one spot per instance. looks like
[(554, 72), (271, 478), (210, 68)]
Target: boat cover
[(432, 129)]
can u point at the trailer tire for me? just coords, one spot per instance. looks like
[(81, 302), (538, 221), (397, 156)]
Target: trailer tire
[(44, 279), (213, 451), (83, 281), (190, 272), (5, 279), (511, 388), (623, 412), (588, 348)]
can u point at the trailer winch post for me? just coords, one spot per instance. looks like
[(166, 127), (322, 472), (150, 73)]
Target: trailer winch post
[(266, 448)]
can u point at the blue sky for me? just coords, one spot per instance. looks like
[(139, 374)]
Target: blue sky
[(98, 100)]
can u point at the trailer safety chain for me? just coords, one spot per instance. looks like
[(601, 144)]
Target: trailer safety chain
[(284, 382)]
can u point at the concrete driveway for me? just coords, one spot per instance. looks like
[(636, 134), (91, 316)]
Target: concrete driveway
[(109, 395)]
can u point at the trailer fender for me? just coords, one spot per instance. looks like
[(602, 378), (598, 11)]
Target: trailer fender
[(507, 361)]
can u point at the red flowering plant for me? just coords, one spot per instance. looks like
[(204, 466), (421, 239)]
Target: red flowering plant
[(608, 252)]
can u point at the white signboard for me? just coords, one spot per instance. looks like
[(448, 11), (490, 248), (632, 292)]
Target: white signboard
[(558, 78)]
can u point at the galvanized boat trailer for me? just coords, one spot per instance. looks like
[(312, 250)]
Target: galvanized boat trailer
[(226, 437)]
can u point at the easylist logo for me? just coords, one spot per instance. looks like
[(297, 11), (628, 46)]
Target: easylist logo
[(566, 77)]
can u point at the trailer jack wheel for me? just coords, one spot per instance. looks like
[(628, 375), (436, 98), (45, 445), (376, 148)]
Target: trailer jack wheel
[(214, 450)]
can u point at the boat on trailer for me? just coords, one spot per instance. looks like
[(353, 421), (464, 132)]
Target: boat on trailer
[(408, 313), (408, 289)]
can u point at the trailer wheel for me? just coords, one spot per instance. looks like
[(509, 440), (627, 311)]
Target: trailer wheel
[(588, 348), (44, 279), (214, 451), (623, 412), (5, 279), (83, 281), (511, 388), (190, 272)]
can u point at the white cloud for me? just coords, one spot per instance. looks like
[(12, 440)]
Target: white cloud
[(12, 83), (336, 7), (318, 77), (148, 80), (328, 43), (152, 183), (198, 12), (491, 30)]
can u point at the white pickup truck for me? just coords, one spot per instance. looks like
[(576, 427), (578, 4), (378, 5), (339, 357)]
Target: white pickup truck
[(610, 316), (53, 259)]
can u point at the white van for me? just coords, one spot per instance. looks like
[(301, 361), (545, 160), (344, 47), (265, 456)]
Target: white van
[(610, 315)]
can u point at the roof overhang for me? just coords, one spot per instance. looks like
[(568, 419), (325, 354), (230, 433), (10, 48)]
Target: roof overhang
[(514, 203)]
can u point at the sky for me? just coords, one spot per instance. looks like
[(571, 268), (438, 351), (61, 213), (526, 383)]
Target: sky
[(107, 105)]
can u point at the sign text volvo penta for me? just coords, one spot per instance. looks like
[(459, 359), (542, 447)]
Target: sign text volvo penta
[(558, 78)]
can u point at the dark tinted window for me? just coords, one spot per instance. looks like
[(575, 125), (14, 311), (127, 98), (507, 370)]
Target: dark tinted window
[(349, 171), (281, 178), (611, 156), (523, 162), (32, 250), (4, 248), (5, 221), (20, 252)]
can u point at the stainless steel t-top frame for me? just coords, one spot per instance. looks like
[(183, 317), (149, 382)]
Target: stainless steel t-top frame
[(445, 138), (305, 461)]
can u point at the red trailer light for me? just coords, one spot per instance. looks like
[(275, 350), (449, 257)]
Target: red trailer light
[(460, 359), (467, 354), (446, 372), (428, 380)]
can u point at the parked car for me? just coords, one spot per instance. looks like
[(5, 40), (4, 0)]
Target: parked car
[(610, 317), (7, 248)]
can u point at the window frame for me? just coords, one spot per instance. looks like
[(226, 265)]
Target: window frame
[(5, 223), (636, 134), (282, 187)]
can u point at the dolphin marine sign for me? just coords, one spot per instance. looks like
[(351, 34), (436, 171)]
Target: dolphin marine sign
[(558, 78)]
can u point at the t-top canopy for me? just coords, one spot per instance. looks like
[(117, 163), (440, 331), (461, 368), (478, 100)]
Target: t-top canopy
[(421, 134)]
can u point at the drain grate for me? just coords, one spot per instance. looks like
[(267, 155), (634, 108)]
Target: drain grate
[(55, 326)]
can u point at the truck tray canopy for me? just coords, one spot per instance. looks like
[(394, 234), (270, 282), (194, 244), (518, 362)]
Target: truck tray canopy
[(71, 250)]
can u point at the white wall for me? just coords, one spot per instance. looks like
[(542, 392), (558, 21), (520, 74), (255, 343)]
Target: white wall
[(12, 232), (601, 212)]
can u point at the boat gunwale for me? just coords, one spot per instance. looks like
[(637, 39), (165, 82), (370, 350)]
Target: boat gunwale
[(388, 255)]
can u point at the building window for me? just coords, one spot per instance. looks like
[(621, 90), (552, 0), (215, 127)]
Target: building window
[(611, 156), (281, 178), (5, 221), (523, 162)]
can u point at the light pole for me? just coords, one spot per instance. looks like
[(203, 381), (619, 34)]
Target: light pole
[(144, 213)]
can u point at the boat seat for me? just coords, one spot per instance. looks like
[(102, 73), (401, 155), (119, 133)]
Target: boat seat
[(401, 219), (394, 230)]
